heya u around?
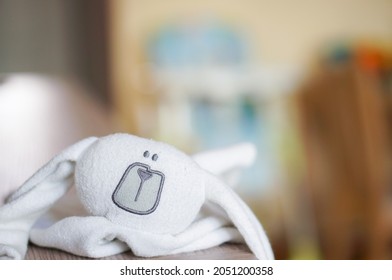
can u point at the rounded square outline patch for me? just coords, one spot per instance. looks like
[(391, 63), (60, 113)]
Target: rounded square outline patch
[(124, 176)]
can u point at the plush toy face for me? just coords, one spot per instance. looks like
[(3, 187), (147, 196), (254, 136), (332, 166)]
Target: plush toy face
[(129, 180)]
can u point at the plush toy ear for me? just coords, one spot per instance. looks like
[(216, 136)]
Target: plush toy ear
[(227, 163), (241, 216), (34, 197)]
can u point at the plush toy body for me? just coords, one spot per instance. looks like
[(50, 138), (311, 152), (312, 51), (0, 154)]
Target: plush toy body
[(141, 195)]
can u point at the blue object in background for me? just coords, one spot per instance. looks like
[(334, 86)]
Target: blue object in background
[(217, 122), (210, 43), (219, 125)]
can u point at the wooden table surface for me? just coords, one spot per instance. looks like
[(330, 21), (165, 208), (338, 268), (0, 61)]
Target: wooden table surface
[(223, 252)]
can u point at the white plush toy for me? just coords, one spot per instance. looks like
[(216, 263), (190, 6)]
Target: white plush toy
[(141, 195)]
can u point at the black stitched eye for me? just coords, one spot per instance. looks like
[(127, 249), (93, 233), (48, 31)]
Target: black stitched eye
[(146, 154), (154, 157)]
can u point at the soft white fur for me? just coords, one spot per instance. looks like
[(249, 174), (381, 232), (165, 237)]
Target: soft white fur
[(197, 209)]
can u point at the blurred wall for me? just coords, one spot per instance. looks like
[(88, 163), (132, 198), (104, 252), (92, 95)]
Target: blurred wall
[(57, 37), (288, 33), (283, 31)]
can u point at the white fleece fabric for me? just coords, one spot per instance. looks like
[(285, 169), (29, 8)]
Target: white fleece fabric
[(141, 195)]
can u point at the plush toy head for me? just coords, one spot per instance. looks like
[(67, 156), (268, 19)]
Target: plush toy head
[(140, 194), (147, 188)]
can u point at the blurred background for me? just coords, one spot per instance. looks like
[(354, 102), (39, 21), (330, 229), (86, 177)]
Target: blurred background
[(308, 82)]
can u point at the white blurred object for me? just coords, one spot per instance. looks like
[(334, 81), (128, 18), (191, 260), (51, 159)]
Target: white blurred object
[(39, 116), (178, 87), (224, 83)]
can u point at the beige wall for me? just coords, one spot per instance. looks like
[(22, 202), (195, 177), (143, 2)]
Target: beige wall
[(281, 31)]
